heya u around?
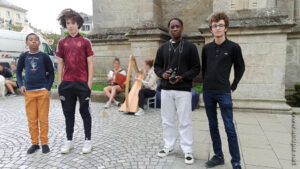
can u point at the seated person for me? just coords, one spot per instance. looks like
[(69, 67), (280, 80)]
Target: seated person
[(149, 86), (10, 85), (113, 89)]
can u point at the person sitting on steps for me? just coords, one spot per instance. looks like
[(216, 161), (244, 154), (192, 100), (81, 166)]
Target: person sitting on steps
[(11, 84), (114, 88), (149, 86)]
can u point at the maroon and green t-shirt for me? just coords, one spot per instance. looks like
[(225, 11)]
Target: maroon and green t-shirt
[(75, 51)]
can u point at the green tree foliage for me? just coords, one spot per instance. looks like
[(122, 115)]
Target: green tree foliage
[(53, 36), (15, 28), (82, 34), (48, 35)]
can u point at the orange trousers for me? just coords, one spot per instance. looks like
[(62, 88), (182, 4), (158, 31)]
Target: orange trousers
[(37, 109)]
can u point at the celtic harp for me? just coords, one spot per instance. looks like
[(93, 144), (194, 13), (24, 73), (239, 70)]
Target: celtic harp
[(131, 98)]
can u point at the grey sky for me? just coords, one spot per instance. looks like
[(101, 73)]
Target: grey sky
[(42, 14)]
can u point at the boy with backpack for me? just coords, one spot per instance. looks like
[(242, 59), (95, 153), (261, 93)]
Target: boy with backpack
[(39, 77)]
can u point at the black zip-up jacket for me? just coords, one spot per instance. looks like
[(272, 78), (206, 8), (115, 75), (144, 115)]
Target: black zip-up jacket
[(217, 61), (6, 73), (187, 63)]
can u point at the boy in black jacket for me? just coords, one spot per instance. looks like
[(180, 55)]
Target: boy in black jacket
[(217, 60), (4, 72), (177, 63)]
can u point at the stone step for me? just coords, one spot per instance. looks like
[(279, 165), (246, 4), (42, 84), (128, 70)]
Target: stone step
[(96, 96)]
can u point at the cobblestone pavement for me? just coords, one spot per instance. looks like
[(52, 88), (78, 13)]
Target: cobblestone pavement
[(126, 141), (119, 140)]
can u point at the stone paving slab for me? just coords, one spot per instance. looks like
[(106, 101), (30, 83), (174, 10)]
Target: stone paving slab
[(125, 141)]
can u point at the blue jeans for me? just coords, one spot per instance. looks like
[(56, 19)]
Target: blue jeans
[(225, 102)]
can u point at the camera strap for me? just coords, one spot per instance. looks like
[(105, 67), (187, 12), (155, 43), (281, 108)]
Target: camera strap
[(180, 47)]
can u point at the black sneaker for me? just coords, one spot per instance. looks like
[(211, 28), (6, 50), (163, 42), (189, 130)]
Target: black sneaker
[(45, 149), (214, 161), (33, 149), (237, 167)]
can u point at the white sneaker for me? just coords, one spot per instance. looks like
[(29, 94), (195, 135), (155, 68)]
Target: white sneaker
[(87, 147), (107, 105), (164, 152), (189, 159), (67, 147), (140, 112), (116, 103)]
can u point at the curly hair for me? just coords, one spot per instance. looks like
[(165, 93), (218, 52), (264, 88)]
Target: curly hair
[(69, 14), (217, 17)]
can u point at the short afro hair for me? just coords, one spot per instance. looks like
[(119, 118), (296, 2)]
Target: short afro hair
[(70, 14), (176, 19)]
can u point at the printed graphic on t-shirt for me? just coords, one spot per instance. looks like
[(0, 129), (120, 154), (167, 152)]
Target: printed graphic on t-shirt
[(75, 51), (33, 63)]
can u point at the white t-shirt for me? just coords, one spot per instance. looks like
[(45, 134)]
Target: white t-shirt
[(111, 73)]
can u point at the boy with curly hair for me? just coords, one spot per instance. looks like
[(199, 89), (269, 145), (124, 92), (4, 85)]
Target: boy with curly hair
[(75, 77)]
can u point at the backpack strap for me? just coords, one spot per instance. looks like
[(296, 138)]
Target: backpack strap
[(45, 61), (23, 57)]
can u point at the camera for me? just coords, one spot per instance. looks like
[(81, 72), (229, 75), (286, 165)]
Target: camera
[(173, 74)]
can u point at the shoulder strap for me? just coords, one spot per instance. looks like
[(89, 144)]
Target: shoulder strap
[(24, 55), (45, 61)]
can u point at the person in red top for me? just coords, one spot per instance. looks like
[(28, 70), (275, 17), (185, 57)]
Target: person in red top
[(75, 77)]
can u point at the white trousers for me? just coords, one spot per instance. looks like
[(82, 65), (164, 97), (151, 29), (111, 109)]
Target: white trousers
[(177, 102)]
